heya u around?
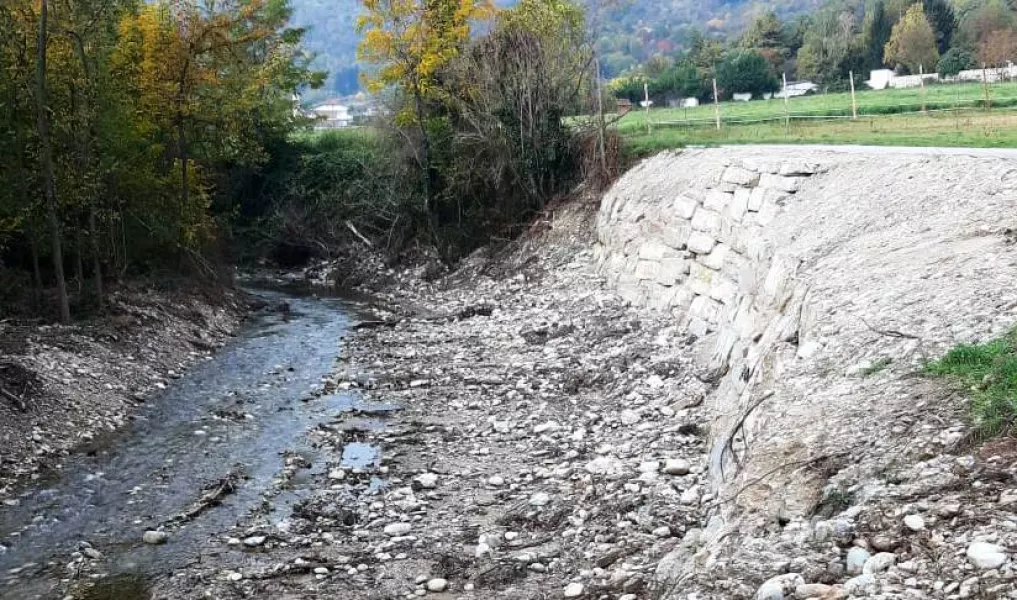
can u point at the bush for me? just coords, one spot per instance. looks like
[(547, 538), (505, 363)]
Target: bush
[(990, 371), (746, 71), (954, 61), (683, 80)]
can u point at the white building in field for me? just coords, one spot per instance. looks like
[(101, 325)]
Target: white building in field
[(332, 114), (797, 88), (882, 79)]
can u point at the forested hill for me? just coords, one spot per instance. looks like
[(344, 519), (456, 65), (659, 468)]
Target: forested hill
[(629, 31)]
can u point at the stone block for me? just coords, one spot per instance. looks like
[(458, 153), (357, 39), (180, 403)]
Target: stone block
[(672, 270), (779, 283), (740, 176), (723, 290), (700, 279), (722, 350), (682, 298), (676, 236), (700, 242), (715, 259), (780, 183), (767, 213), (654, 250), (685, 207), (704, 308), (707, 221), (798, 168), (647, 269), (739, 204), (717, 200)]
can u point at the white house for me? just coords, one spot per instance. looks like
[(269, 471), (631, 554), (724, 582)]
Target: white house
[(332, 115)]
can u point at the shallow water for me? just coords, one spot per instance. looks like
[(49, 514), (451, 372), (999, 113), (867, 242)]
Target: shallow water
[(237, 411)]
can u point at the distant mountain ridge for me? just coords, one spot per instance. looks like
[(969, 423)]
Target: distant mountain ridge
[(628, 34)]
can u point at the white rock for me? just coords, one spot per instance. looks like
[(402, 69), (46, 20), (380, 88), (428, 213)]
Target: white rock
[(690, 496), (428, 481), (879, 562), (254, 541), (605, 465), (856, 558), (779, 587), (540, 499), (155, 537), (862, 585), (397, 529), (544, 427), (676, 466), (630, 417), (662, 532), (496, 481), (914, 522), (986, 556), (437, 585), (650, 466), (573, 590)]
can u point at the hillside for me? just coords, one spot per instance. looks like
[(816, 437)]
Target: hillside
[(629, 32)]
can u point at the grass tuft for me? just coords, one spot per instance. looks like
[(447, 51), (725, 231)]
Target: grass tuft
[(989, 370)]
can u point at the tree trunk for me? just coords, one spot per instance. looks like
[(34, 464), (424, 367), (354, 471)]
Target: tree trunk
[(36, 270), (46, 157), (425, 153), (93, 235), (79, 258)]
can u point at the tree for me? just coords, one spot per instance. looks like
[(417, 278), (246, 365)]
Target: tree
[(829, 49), (876, 30), (46, 160), (683, 80), (941, 16), (954, 61), (411, 41), (766, 36), (979, 21), (745, 71), (912, 43), (998, 48)]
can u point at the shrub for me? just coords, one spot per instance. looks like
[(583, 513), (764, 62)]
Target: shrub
[(954, 61)]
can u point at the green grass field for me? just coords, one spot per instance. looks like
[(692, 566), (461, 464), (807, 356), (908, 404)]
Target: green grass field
[(970, 128), (870, 102)]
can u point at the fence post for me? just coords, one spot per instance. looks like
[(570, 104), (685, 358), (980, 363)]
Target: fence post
[(921, 82), (787, 109), (716, 104), (854, 103), (646, 100), (985, 87)]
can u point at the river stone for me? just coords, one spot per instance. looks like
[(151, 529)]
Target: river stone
[(540, 499), (863, 585), (573, 590), (779, 587), (856, 558), (813, 590), (437, 585), (879, 562), (427, 481), (155, 537), (254, 541), (397, 529), (676, 466), (986, 556), (914, 522)]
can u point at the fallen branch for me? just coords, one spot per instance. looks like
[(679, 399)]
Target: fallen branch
[(800, 464), (17, 401), (212, 497), (359, 235), (738, 426), (890, 332)]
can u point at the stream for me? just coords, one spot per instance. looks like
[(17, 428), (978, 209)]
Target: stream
[(237, 412)]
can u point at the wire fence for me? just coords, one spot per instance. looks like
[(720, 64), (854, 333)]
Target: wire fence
[(997, 94)]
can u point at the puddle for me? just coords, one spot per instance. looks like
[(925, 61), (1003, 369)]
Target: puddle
[(358, 455)]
